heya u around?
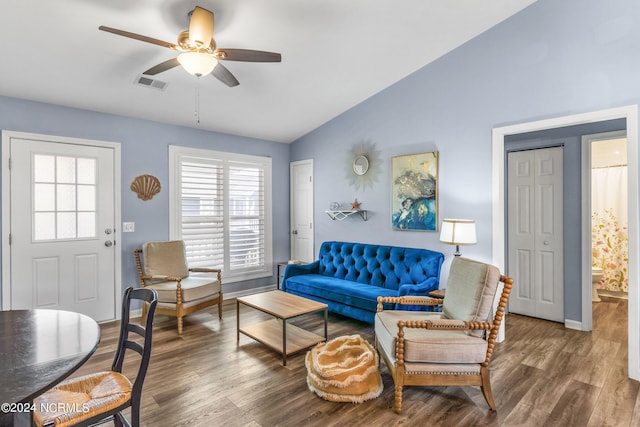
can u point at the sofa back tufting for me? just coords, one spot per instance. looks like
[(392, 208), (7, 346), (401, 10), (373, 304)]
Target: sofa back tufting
[(377, 265)]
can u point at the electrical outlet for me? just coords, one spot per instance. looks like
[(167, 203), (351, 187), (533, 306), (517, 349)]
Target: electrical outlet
[(128, 227)]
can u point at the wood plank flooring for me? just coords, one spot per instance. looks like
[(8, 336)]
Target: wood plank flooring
[(542, 375)]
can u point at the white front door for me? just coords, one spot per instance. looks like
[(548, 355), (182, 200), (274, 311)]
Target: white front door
[(62, 237), (301, 176), (535, 233)]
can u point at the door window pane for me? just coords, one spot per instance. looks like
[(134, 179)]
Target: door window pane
[(66, 225), (44, 197), (44, 227), (44, 168), (66, 169), (86, 171), (66, 197), (86, 198), (86, 224)]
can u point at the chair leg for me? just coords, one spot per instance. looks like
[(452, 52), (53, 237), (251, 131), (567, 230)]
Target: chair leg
[(398, 399), (179, 325), (220, 306), (486, 387)]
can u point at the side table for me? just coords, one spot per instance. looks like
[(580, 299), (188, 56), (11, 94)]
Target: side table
[(438, 293), (281, 266)]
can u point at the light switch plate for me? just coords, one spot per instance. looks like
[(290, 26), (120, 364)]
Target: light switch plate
[(128, 227)]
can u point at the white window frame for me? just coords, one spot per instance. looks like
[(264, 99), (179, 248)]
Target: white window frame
[(176, 155)]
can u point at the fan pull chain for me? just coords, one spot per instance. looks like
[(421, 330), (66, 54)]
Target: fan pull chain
[(197, 106)]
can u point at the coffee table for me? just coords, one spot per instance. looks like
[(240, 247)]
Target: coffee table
[(276, 333)]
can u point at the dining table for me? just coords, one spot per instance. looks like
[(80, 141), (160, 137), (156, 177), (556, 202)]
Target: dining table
[(38, 349)]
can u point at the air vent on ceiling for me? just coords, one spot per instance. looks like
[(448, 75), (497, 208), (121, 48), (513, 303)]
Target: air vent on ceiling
[(149, 82)]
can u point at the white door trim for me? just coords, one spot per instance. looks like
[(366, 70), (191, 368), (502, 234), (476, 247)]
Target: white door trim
[(6, 211), (630, 113)]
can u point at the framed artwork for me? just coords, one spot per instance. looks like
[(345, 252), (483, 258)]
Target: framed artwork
[(414, 192)]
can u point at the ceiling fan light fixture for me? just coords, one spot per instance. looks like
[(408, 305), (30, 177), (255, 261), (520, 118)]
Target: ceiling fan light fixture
[(197, 63)]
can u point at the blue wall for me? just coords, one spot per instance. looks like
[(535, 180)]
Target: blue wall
[(144, 149), (554, 58)]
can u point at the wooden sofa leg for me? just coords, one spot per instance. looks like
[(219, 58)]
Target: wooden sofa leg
[(486, 387), (398, 399)]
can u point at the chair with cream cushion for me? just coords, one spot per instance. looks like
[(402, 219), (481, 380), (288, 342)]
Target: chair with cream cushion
[(163, 267), (452, 348)]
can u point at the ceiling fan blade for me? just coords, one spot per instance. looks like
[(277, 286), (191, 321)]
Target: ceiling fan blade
[(138, 37), (200, 27), (247, 55), (221, 73), (163, 66)]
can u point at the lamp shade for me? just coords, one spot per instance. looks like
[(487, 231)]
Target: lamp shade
[(458, 232), (197, 63)]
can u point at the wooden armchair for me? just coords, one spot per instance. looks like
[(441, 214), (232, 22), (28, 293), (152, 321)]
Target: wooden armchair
[(452, 348), (164, 268)]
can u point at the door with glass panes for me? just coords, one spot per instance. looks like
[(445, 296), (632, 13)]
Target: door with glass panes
[(62, 227)]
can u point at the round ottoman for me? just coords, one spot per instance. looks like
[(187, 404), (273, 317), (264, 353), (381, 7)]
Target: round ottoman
[(344, 369)]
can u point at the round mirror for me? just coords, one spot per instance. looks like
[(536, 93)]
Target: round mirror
[(360, 165)]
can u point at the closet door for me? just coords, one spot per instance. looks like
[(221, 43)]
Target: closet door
[(535, 233)]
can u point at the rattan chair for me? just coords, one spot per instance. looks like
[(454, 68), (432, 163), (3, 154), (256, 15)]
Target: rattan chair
[(163, 267), (452, 348), (85, 400)]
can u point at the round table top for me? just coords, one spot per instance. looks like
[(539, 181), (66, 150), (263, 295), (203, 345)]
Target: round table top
[(40, 348)]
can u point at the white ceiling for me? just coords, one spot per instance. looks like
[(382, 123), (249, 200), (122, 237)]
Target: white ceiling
[(335, 54)]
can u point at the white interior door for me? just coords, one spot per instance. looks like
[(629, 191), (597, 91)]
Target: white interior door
[(535, 233), (301, 176), (62, 237)]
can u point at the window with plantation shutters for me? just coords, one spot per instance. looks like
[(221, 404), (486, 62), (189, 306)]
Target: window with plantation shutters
[(220, 207)]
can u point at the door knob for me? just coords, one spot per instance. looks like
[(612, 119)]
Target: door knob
[(108, 243), (546, 243), (294, 232), (108, 231)]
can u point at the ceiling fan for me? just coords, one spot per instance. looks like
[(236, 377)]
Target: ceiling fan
[(200, 55)]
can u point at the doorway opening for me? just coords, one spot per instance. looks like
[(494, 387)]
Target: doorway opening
[(582, 319)]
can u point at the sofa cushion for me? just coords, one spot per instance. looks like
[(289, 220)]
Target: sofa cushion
[(424, 345), (193, 288), (348, 293)]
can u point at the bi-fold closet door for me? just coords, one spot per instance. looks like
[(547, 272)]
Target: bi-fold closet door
[(535, 232)]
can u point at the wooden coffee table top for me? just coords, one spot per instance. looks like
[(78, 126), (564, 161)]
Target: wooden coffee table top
[(281, 304)]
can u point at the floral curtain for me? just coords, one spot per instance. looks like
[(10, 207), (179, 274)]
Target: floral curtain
[(609, 230)]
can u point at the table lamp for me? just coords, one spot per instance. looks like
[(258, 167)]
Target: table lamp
[(458, 232)]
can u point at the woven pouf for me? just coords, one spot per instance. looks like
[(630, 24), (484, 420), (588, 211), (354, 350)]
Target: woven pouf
[(344, 369)]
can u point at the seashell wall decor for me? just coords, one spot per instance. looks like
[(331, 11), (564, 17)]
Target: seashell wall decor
[(146, 186)]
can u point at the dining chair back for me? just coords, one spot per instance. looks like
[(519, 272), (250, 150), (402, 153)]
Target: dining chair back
[(85, 400)]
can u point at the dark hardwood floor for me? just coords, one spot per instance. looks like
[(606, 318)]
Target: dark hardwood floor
[(542, 375)]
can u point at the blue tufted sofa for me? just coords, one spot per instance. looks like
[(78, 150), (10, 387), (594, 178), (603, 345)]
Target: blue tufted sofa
[(349, 277)]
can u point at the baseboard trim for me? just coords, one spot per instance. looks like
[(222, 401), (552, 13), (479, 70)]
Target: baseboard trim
[(573, 324)]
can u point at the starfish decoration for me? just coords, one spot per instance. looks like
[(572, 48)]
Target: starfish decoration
[(355, 204)]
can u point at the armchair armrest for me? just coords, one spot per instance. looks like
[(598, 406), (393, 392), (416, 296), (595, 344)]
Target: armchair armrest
[(162, 277), (445, 325), (205, 270), (419, 288), (299, 269), (408, 300)]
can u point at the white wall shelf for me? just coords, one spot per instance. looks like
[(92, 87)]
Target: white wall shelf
[(342, 214)]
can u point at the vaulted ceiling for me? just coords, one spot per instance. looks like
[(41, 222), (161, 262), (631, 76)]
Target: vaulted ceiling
[(335, 54)]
